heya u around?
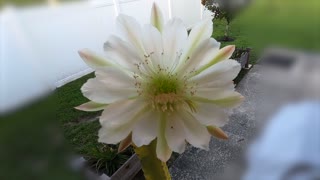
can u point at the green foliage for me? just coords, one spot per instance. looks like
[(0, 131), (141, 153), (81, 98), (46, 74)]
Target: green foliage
[(286, 23), (225, 9), (81, 129), (106, 158), (32, 145)]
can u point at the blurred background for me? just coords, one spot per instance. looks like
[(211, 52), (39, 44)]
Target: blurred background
[(43, 137)]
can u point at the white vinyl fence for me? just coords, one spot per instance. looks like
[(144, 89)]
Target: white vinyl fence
[(39, 45)]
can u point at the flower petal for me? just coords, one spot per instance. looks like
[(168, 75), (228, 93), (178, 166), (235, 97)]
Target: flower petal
[(196, 133), (174, 38), (219, 74), (223, 96), (92, 59), (121, 52), (125, 143), (210, 115), (118, 119), (145, 129), (211, 53), (232, 100), (131, 30), (198, 34), (163, 150), (175, 134), (215, 92), (223, 54), (91, 106), (205, 50), (109, 86), (152, 42), (217, 132), (156, 17)]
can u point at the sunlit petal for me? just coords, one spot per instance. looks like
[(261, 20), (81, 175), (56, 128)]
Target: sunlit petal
[(219, 74), (109, 86), (156, 17), (118, 119), (92, 59), (174, 38), (175, 134), (196, 133), (163, 150), (131, 31), (199, 33), (121, 52), (145, 130)]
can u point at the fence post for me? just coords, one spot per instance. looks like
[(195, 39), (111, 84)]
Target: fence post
[(170, 8), (116, 7)]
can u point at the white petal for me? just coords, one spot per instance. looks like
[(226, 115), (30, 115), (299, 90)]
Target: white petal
[(91, 106), (211, 53), (156, 17), (118, 119), (109, 86), (215, 92), (115, 76), (223, 54), (121, 52), (163, 150), (210, 115), (92, 59), (202, 54), (174, 38), (231, 99), (219, 74), (196, 133), (131, 30), (152, 43), (198, 34), (222, 96), (145, 130), (175, 134)]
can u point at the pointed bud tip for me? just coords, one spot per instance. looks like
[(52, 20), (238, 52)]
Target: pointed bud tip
[(217, 132), (125, 143), (155, 5), (83, 53), (230, 48), (77, 108)]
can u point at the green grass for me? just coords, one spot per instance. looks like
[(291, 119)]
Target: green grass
[(286, 23), (32, 145), (81, 129), (240, 40), (70, 96)]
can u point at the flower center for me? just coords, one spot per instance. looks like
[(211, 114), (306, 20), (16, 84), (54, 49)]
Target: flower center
[(163, 89), (164, 85), (164, 92)]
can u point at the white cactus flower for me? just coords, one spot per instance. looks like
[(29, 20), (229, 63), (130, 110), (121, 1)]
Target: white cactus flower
[(160, 83)]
